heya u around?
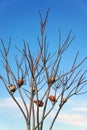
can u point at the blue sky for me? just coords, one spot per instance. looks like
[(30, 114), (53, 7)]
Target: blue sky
[(19, 20)]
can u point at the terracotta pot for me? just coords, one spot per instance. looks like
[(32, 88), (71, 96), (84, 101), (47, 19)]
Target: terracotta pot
[(51, 80), (64, 100), (12, 88), (39, 103), (20, 82), (52, 98), (32, 89)]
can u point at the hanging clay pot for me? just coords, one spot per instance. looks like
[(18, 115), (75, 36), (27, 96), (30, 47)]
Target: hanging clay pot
[(64, 100), (20, 82), (12, 88), (39, 103), (52, 98)]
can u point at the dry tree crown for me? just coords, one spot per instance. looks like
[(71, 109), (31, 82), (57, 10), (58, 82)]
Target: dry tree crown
[(40, 80)]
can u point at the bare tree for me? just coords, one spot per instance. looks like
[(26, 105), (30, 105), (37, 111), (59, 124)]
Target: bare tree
[(39, 80)]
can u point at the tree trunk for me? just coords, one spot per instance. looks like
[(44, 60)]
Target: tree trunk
[(28, 127)]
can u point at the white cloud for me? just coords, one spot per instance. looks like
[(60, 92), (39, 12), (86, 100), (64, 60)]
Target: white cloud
[(74, 113), (70, 118), (80, 109), (8, 103), (73, 119), (8, 106)]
